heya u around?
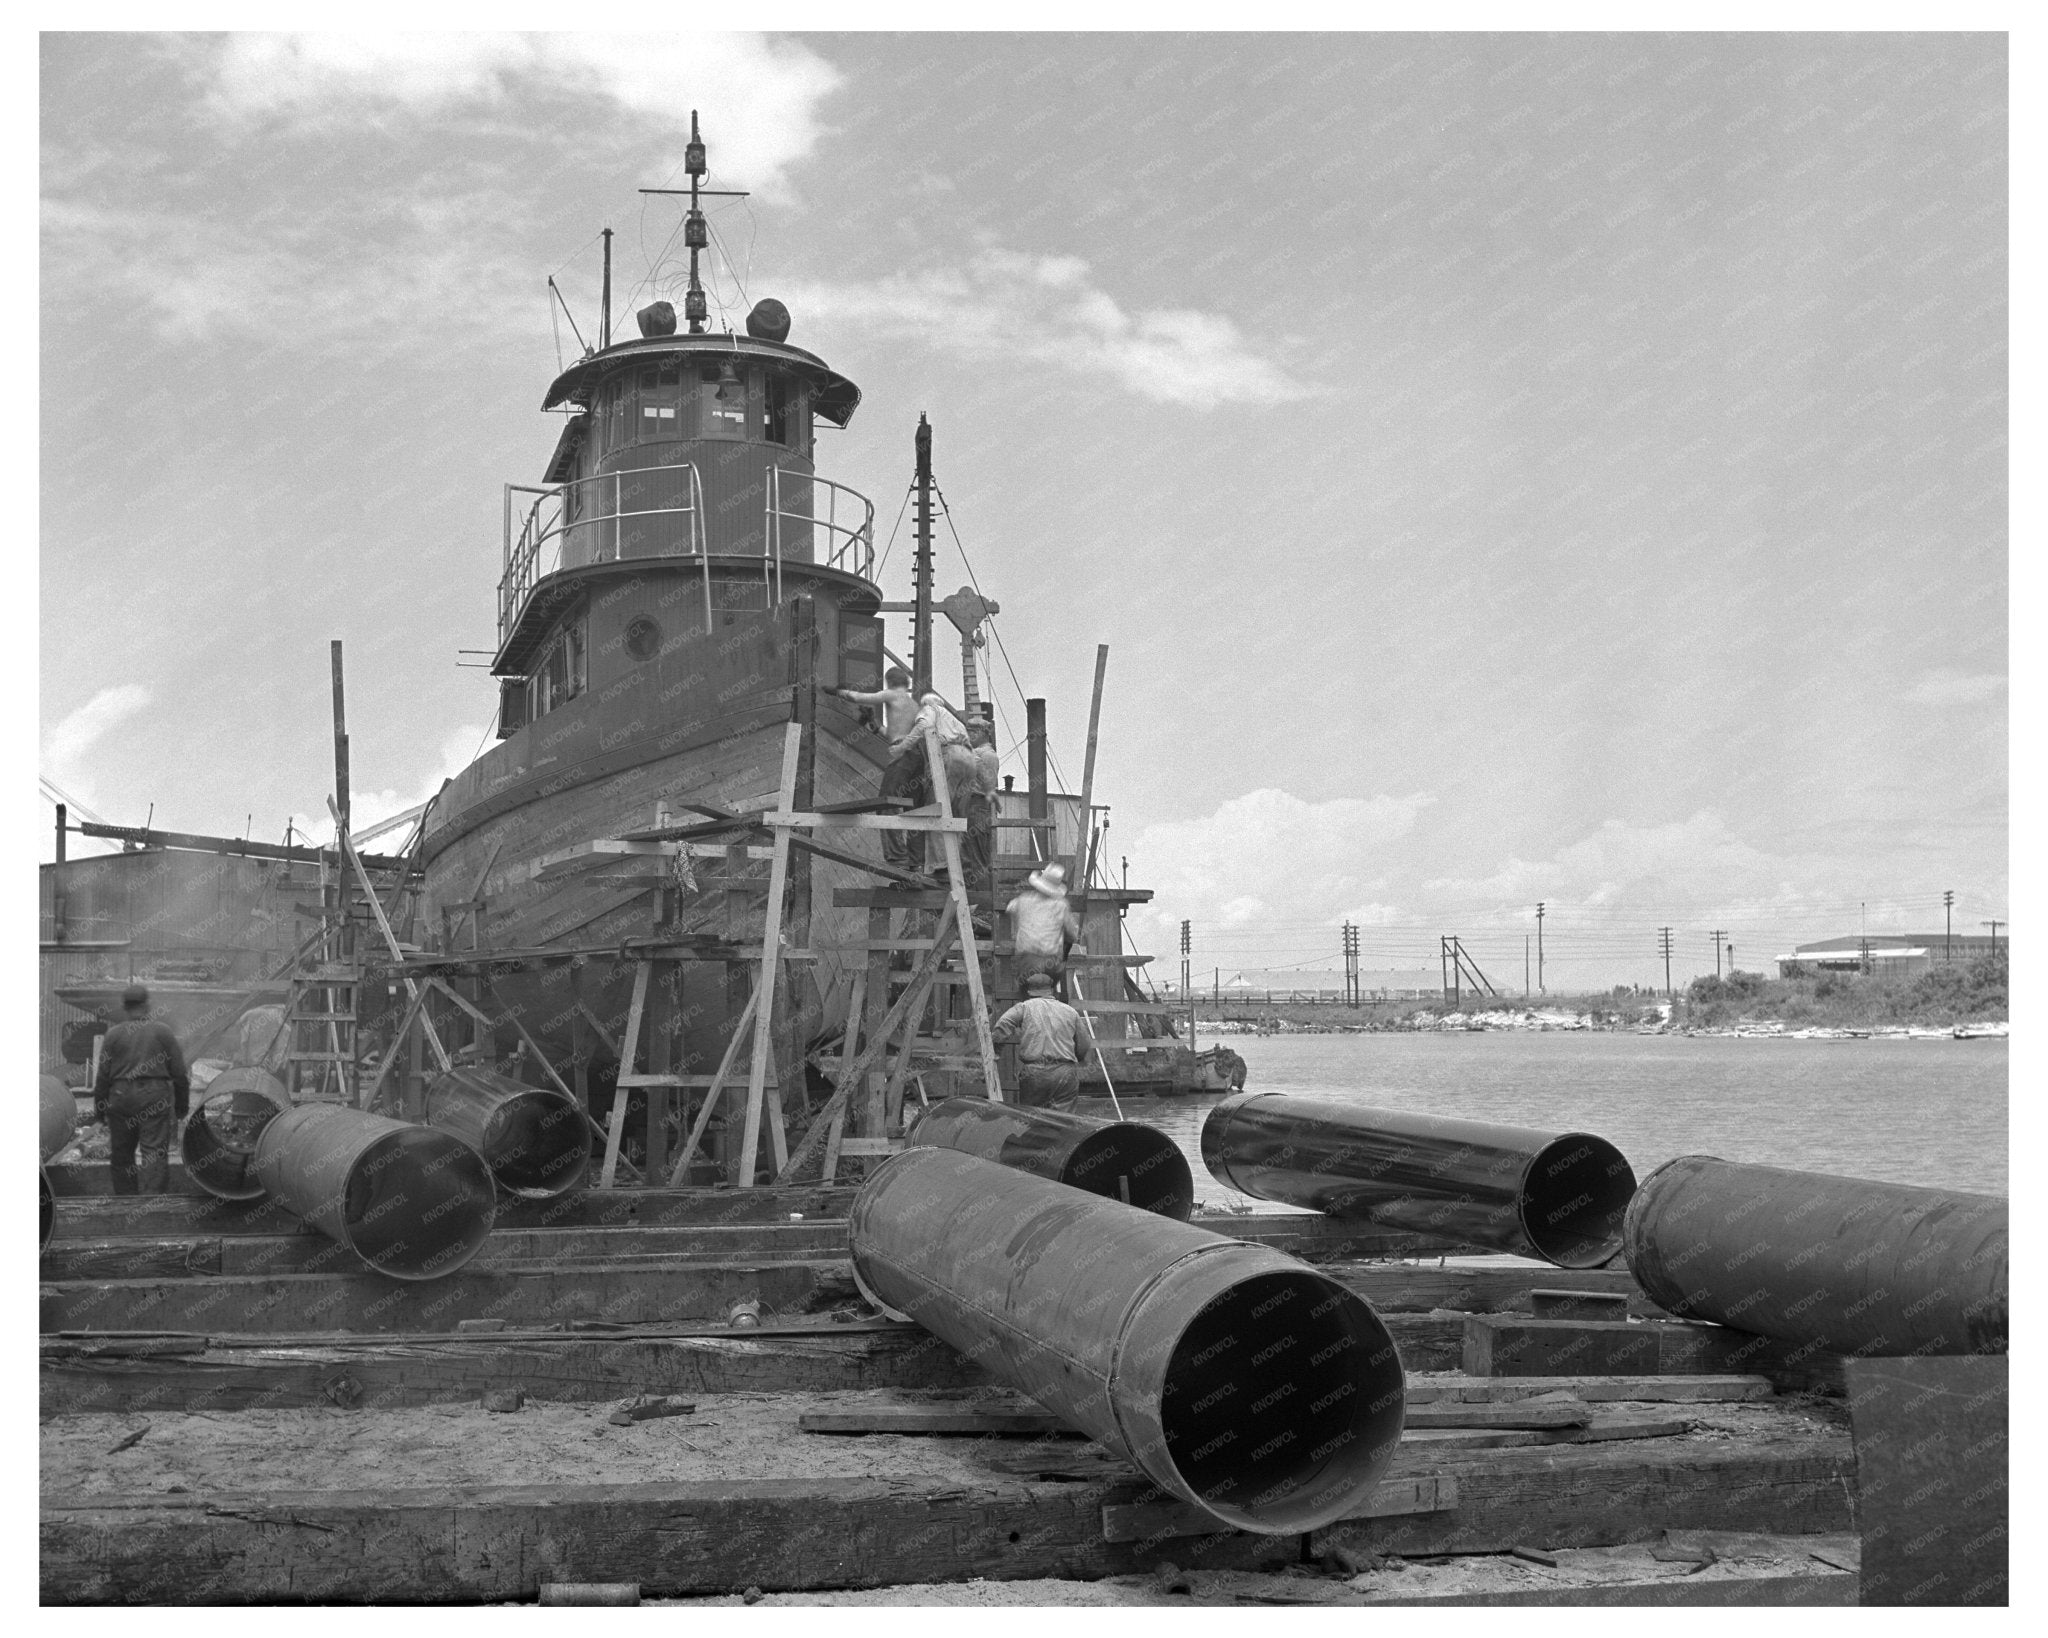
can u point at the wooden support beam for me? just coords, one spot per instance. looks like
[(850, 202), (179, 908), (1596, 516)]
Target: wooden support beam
[(771, 951), (615, 1122), (481, 1543)]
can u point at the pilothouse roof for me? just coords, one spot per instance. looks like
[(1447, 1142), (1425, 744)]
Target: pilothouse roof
[(834, 398)]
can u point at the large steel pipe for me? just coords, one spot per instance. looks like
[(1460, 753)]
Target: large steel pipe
[(58, 1114), (1841, 1263), (1120, 1159), (412, 1202), (218, 1140), (1554, 1195), (1250, 1384), (535, 1141)]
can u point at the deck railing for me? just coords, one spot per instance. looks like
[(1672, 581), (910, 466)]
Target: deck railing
[(610, 515)]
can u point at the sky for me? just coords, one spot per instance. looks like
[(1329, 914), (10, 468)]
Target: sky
[(1505, 468)]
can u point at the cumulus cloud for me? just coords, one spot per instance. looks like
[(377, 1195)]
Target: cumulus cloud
[(367, 808), (1942, 686), (1620, 860), (65, 746), (1266, 857), (761, 92), (1005, 306)]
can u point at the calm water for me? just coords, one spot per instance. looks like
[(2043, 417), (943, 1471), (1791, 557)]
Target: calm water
[(1926, 1112)]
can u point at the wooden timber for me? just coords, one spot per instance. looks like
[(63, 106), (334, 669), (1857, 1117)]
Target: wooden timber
[(501, 1542), (1510, 1345)]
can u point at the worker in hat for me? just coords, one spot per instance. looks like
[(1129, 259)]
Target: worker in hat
[(140, 1090), (1042, 928), (905, 777), (1052, 1041), (979, 808)]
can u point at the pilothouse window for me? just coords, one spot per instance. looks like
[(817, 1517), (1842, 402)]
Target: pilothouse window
[(775, 416), (659, 395), (559, 677)]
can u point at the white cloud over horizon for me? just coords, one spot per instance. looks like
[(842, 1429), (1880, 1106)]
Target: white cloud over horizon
[(1266, 856), (65, 745), (762, 91), (1004, 305)]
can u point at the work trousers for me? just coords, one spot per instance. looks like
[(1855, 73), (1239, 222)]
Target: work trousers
[(1028, 962), (975, 848), (905, 777), (1048, 1085), (139, 1113)]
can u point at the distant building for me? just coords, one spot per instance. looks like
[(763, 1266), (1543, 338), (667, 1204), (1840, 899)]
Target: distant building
[(1902, 954)]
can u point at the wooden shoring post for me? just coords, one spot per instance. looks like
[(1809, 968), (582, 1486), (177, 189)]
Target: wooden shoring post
[(963, 916), (511, 1016), (771, 960), (856, 1002), (921, 982), (1078, 874), (390, 938), (403, 1034), (868, 1112), (629, 1049), (667, 1002), (713, 1092)]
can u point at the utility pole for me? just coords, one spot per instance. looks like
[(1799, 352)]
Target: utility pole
[(1525, 966), (1187, 982), (1948, 925), (1664, 943), (1718, 934), (1350, 964), (1994, 926), (1540, 990)]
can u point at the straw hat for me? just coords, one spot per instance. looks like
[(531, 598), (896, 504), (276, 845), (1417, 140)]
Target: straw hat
[(1052, 880)]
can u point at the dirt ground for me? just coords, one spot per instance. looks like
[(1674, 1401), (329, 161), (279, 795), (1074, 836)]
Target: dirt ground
[(730, 1436)]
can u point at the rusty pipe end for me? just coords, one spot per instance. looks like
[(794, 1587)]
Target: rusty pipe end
[(1575, 1195), (1139, 1165), (1216, 1137), (217, 1143), (1259, 1389), (537, 1145)]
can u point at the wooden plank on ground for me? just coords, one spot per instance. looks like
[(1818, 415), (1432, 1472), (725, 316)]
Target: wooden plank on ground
[(367, 1302), (934, 1420), (1509, 1345), (492, 1543), (1157, 1520), (1684, 1390), (1489, 1287), (396, 1372), (1595, 1431), (1571, 1413), (1611, 1493)]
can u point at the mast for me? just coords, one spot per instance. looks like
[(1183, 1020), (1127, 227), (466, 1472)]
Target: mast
[(921, 629), (695, 232), (604, 316)]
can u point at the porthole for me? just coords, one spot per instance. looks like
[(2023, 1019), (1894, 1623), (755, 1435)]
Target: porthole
[(643, 638)]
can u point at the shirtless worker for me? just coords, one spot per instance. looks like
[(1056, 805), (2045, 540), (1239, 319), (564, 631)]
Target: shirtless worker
[(140, 1089), (905, 775), (1052, 1041)]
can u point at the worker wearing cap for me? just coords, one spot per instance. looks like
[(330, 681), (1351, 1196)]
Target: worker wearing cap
[(1042, 927), (1052, 1040), (141, 1088), (905, 775), (979, 807)]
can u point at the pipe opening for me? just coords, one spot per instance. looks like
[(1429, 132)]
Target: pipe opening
[(1136, 1164), (417, 1203), (1281, 1393), (537, 1145), (218, 1140), (1575, 1194)]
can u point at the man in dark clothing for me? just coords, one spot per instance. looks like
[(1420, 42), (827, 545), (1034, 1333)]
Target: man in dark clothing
[(906, 774), (141, 1088), (1052, 1041)]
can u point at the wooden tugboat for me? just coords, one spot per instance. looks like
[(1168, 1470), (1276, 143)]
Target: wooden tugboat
[(681, 586)]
